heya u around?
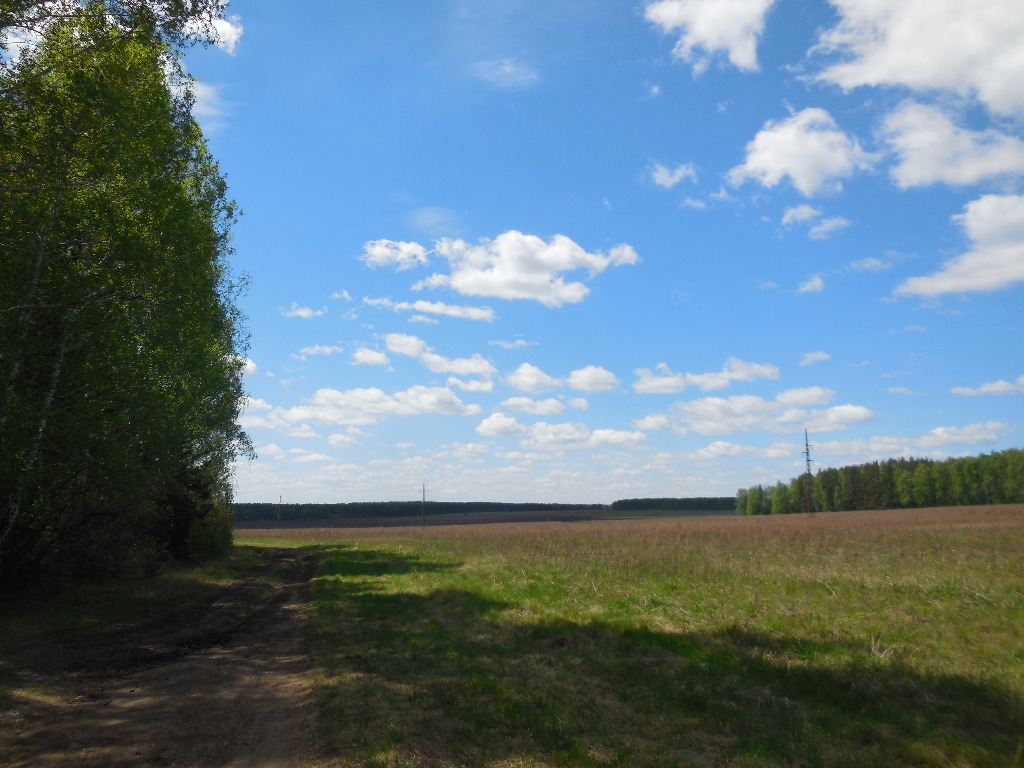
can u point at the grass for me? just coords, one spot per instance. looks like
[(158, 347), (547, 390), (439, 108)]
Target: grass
[(859, 639)]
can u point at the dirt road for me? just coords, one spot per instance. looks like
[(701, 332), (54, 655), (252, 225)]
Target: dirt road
[(221, 683)]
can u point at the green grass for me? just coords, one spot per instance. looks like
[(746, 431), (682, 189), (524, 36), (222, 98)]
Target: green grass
[(867, 639)]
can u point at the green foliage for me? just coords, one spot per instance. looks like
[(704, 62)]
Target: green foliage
[(120, 359), (996, 478), (867, 640)]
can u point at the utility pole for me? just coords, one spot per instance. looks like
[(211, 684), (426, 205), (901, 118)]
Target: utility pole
[(808, 478), (423, 506)]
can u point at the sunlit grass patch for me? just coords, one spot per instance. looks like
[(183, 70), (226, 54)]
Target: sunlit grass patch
[(860, 639)]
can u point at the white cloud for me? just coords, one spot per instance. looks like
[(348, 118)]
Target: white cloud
[(303, 431), (601, 437), (809, 148), (995, 224), (710, 26), (473, 385), (800, 213), (530, 378), (942, 437), (339, 440), (434, 308), (317, 349), (666, 382), (826, 227), (208, 107), (224, 32), (871, 264), (517, 344), (505, 73), (518, 266), (592, 378), (412, 346), (312, 458), (364, 356), (227, 33), (654, 421), (272, 450), (370, 405), (789, 411), (813, 284), (814, 357), (932, 149), (401, 255), (249, 368), (498, 425), (972, 48), (579, 403), (341, 295), (721, 449), (305, 313), (547, 407), (1000, 387), (668, 178), (807, 214)]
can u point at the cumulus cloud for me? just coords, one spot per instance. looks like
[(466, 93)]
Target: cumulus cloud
[(472, 385), (708, 27), (249, 368), (574, 435), (819, 228), (931, 149), (592, 378), (721, 449), (789, 411), (943, 437), (807, 147), (228, 33), (813, 284), (546, 407), (999, 387), (394, 253), (305, 313), (508, 74), (433, 308), (370, 405), (971, 48), (811, 358), (995, 224), (824, 228), (317, 349), (518, 266), (800, 213), (668, 178), (529, 378), (414, 347), (663, 381), (365, 356), (498, 425)]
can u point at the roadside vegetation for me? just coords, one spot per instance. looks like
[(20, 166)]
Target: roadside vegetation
[(861, 639), (120, 344)]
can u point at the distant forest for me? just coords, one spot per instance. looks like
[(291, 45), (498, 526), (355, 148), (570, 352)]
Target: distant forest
[(248, 512), (995, 478)]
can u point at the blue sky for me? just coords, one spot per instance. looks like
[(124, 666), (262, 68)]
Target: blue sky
[(584, 251)]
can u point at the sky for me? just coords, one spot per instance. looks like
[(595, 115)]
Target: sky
[(589, 250)]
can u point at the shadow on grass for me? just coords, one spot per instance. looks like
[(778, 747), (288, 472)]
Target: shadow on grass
[(453, 678)]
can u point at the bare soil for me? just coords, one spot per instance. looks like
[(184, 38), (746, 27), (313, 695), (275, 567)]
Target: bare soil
[(224, 681)]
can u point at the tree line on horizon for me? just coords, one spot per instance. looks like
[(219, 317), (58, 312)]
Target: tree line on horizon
[(120, 343), (903, 483), (252, 511)]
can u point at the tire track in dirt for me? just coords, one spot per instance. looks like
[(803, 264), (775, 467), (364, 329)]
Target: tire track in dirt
[(226, 683)]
